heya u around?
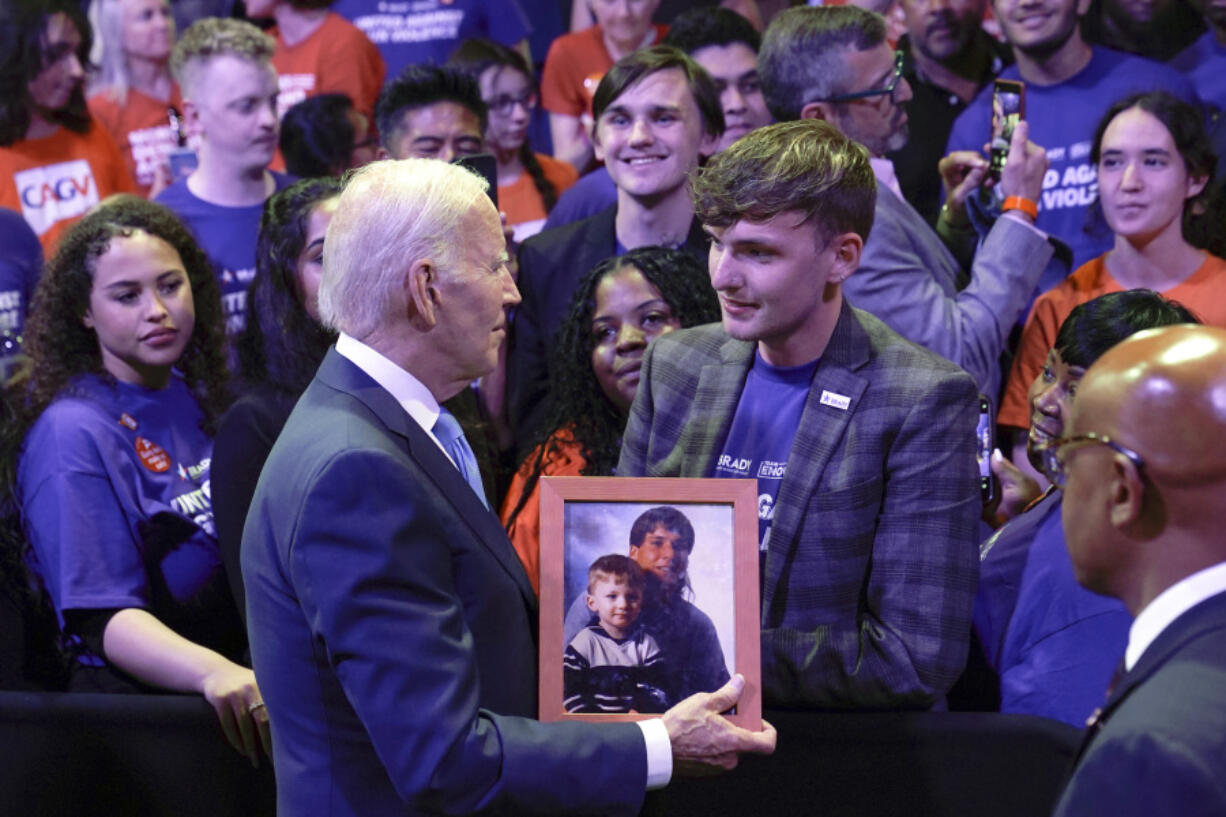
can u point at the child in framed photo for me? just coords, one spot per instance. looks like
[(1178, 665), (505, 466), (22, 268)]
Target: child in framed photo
[(614, 665)]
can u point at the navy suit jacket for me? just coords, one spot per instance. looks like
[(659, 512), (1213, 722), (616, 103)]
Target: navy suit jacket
[(393, 630), (551, 265), (871, 557), (1159, 745)]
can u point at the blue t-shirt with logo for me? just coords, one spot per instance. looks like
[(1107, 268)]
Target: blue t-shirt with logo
[(760, 438), (1063, 118), (21, 262), (228, 237), (418, 32), (114, 484)]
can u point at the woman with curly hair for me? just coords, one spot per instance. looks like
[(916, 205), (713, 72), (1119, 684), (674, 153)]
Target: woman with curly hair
[(279, 351), (528, 183), (127, 342), (620, 306)]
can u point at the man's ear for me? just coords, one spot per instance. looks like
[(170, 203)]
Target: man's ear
[(88, 319), (846, 248), (192, 124), (1127, 492), (421, 294), (381, 153), (591, 602), (818, 110), (706, 148), (594, 136)]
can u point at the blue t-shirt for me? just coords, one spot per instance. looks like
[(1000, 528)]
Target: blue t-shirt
[(1204, 64), (1062, 120), (760, 438), (228, 237), (1054, 643), (114, 487), (587, 197), (21, 262), (409, 32)]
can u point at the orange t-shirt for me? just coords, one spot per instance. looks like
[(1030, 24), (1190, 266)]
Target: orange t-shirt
[(54, 180), (574, 67), (525, 535), (141, 129), (1203, 292), (522, 202), (336, 58)]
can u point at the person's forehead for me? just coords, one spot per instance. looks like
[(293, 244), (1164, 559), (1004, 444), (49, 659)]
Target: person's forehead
[(60, 30), (664, 88), (228, 76), (872, 64), (503, 79), (440, 119), (786, 227), (729, 61)]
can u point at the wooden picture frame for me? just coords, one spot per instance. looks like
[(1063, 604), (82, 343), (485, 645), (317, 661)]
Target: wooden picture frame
[(583, 518)]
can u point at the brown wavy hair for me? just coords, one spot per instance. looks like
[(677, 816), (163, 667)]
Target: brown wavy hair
[(61, 347)]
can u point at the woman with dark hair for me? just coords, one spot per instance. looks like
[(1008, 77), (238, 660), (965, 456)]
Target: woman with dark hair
[(528, 183), (128, 378), (620, 306), (55, 162), (133, 95), (278, 352), (1154, 162), (1052, 642)]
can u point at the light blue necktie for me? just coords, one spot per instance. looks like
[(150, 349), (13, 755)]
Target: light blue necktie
[(449, 433)]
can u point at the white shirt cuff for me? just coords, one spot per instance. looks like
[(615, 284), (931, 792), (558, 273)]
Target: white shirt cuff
[(659, 753)]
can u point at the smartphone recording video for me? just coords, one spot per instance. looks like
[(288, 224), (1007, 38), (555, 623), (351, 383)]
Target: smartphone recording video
[(1008, 108)]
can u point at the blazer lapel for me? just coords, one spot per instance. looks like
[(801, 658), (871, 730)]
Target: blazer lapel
[(833, 399), (341, 373), (715, 400)]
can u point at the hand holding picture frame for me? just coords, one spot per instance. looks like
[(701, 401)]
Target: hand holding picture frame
[(649, 593)]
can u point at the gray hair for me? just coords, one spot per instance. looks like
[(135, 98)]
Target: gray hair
[(216, 37), (801, 60), (392, 213)]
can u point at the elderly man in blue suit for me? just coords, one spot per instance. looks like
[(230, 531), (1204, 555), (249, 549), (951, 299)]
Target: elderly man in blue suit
[(834, 63), (1144, 475), (392, 626), (863, 444)]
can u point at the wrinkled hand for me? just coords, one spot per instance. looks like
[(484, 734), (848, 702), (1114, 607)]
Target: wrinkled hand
[(231, 690), (704, 741), (961, 172), (1025, 167), (1017, 489)]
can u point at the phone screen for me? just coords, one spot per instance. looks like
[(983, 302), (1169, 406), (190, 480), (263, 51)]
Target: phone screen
[(985, 434), (1008, 108), (483, 164)]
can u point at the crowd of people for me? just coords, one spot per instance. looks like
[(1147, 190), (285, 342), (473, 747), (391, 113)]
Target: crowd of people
[(379, 268)]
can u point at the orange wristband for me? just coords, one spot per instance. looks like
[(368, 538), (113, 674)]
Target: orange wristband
[(1022, 203)]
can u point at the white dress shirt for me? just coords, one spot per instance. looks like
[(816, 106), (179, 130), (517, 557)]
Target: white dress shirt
[(1169, 605)]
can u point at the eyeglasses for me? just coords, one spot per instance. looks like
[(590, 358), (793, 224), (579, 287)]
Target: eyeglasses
[(1056, 456), (504, 104), (889, 89)]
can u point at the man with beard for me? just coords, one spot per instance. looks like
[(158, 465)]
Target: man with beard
[(834, 63), (947, 58), (1069, 86), (55, 162), (661, 540)]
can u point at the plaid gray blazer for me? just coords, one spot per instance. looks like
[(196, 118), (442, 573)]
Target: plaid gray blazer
[(871, 560)]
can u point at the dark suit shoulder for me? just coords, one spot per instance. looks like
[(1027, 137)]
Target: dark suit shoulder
[(561, 242)]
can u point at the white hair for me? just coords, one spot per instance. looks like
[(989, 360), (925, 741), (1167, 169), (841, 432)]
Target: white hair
[(108, 49), (392, 213)]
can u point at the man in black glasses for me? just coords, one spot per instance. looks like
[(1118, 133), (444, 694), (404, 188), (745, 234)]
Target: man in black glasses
[(1144, 469), (834, 63)]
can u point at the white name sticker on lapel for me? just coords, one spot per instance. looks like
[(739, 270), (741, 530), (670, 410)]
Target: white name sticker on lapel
[(838, 401)]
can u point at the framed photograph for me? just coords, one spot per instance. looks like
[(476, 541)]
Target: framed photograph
[(649, 593)]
